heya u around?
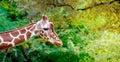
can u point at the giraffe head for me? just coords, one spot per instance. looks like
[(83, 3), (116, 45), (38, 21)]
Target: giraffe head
[(45, 30)]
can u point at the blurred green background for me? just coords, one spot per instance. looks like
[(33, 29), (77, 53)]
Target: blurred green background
[(89, 29)]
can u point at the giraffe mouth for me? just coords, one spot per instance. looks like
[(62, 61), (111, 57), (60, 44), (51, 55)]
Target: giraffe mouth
[(57, 43)]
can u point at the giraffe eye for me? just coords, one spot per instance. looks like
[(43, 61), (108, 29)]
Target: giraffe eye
[(45, 29)]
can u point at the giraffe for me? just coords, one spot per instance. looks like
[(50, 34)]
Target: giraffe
[(42, 28)]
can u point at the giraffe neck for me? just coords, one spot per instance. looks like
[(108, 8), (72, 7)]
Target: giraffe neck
[(12, 38)]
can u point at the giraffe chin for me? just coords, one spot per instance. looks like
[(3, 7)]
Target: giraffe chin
[(57, 43)]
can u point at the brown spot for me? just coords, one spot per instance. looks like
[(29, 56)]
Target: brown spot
[(21, 37), (44, 34), (28, 35), (22, 31), (36, 31), (47, 38), (41, 31), (4, 46), (15, 33), (6, 37), (20, 40), (41, 34)]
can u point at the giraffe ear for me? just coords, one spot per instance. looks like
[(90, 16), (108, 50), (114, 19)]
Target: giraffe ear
[(51, 24)]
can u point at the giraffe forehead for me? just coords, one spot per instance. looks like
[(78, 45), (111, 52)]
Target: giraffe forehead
[(45, 25), (42, 24)]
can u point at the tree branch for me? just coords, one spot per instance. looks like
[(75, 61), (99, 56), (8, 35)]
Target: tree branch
[(66, 5), (60, 5), (98, 4)]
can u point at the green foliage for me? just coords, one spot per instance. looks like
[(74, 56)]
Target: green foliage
[(89, 35), (6, 23)]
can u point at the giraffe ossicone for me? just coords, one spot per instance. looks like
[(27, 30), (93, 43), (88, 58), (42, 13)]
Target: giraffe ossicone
[(42, 28)]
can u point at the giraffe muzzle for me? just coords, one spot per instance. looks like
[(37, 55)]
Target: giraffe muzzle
[(58, 43)]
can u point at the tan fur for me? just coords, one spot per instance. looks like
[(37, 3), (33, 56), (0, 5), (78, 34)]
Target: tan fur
[(7, 38), (20, 40)]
